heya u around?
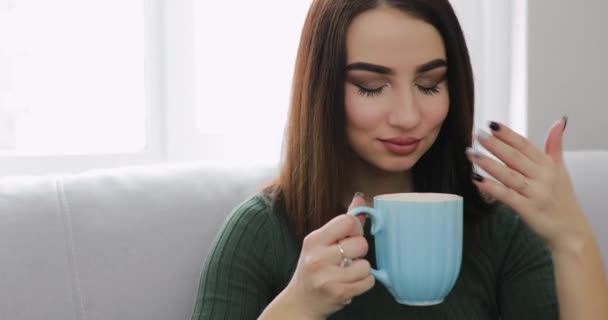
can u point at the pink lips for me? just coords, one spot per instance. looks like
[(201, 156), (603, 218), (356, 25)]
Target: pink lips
[(401, 145)]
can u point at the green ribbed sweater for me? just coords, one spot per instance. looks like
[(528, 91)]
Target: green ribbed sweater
[(506, 272)]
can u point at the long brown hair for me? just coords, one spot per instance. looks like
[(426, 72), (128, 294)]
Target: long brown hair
[(313, 177)]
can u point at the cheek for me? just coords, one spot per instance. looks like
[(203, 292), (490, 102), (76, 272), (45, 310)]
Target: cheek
[(437, 111), (362, 113)]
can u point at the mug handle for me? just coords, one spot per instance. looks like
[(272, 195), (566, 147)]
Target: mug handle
[(377, 226)]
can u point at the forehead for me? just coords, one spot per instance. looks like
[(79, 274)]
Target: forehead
[(392, 38)]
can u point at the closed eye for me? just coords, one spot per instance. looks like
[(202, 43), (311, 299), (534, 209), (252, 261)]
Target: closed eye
[(428, 90), (370, 92)]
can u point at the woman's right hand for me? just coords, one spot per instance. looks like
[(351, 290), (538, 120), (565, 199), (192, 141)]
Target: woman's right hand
[(319, 284)]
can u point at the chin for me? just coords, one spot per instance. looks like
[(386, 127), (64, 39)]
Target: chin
[(396, 164)]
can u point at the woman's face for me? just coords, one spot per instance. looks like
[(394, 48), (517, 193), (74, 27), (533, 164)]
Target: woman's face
[(396, 94)]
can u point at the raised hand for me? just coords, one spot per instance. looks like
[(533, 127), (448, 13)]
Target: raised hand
[(534, 183), (537, 186)]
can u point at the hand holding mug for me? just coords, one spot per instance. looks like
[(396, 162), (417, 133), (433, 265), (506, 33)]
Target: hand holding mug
[(322, 284)]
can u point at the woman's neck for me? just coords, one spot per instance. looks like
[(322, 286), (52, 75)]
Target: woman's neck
[(373, 181)]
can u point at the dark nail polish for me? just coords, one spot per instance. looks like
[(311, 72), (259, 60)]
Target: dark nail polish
[(565, 119), (494, 126), (477, 177)]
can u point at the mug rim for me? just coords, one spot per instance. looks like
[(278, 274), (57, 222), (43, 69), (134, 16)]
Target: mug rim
[(418, 197)]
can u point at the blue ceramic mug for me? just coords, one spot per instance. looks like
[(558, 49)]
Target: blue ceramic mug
[(418, 240)]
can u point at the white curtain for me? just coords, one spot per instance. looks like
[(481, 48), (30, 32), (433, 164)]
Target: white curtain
[(496, 33)]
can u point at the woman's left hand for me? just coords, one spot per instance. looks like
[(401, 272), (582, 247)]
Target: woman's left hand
[(535, 184)]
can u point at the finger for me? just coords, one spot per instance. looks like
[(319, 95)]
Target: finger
[(513, 158), (353, 247), (340, 227), (506, 195), (361, 286), (347, 302), (517, 142), (357, 271), (358, 201), (553, 142), (507, 176)]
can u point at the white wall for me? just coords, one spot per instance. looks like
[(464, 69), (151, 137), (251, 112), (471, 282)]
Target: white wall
[(568, 70)]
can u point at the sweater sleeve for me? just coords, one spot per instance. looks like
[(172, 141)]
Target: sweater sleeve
[(237, 275), (526, 280)]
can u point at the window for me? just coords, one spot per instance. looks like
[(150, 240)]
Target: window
[(72, 77), (87, 84), (244, 62), (244, 66)]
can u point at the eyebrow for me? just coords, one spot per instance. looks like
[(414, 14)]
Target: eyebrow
[(364, 66)]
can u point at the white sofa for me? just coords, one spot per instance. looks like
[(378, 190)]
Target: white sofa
[(129, 243)]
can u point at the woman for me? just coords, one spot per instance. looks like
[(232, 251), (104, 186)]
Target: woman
[(374, 111)]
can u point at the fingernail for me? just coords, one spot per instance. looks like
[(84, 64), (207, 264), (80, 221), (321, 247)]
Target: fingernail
[(359, 194), (494, 126), (482, 135), (565, 120), (473, 153), (477, 177)]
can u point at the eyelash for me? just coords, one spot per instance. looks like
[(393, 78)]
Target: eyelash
[(376, 92), (370, 92), (429, 91)]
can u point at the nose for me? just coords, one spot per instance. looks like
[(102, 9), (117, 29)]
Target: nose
[(404, 113)]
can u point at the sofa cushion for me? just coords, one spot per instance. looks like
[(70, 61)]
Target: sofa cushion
[(38, 278), (113, 244), (130, 243)]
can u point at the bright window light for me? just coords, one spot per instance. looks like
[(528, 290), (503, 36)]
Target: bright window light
[(244, 66), (72, 77)]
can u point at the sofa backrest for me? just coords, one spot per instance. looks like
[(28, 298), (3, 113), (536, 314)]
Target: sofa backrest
[(130, 243), (589, 175), (112, 244)]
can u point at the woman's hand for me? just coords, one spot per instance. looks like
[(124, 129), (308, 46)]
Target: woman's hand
[(535, 184), (319, 284)]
